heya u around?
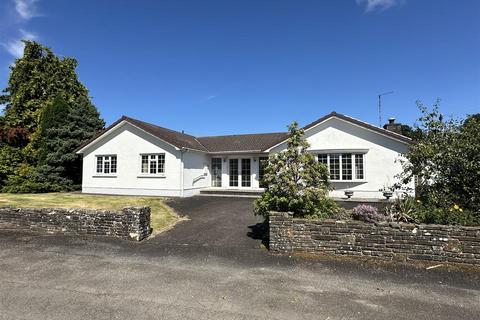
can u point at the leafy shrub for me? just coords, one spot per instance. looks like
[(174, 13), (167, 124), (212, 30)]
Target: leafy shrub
[(10, 160), (341, 214), (296, 182), (327, 208), (368, 213), (452, 214), (403, 210), (26, 180), (409, 209), (445, 161)]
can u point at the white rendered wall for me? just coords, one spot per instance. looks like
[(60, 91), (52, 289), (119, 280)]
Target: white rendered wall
[(128, 142), (196, 172), (381, 160)]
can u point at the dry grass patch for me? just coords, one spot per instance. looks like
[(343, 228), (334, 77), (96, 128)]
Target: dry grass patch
[(162, 216)]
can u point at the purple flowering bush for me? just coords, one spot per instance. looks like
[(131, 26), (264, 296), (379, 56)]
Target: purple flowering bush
[(367, 213)]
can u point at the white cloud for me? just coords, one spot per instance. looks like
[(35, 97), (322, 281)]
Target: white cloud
[(26, 9), (15, 47), (377, 5), (208, 98), (21, 12)]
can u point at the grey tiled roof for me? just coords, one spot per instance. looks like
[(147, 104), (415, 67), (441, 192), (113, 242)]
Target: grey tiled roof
[(176, 138), (257, 142), (242, 142)]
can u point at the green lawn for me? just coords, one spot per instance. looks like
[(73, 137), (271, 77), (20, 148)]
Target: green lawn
[(162, 216)]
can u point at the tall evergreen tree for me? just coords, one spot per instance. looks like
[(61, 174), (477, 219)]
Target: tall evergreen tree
[(48, 114), (35, 80), (62, 128)]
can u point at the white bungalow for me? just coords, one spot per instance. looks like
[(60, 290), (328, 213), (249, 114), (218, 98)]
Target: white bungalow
[(132, 157)]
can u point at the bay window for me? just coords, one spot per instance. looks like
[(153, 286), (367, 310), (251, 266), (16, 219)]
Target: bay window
[(344, 166)]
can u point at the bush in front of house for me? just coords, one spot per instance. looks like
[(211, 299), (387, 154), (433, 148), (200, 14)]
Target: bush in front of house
[(368, 213), (445, 161), (296, 182), (410, 210)]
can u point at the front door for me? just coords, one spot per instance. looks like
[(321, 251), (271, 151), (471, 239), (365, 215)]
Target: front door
[(240, 172)]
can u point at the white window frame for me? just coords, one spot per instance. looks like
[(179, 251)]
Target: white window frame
[(109, 161), (149, 162), (353, 165)]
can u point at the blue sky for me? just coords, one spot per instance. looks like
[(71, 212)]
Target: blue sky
[(219, 67)]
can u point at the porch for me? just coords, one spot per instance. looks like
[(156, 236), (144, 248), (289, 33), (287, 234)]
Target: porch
[(236, 174)]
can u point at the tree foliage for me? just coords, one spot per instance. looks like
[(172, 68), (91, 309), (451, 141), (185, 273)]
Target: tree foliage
[(48, 114), (62, 128), (446, 163), (413, 133), (35, 80), (10, 160), (295, 181)]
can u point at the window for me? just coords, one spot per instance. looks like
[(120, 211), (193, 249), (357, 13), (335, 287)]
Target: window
[(106, 164), (323, 158), (343, 167), (334, 166), (263, 162), (99, 164), (359, 166), (153, 164), (346, 166), (216, 172)]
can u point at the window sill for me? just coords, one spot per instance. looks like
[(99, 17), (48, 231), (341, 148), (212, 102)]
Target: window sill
[(104, 176), (152, 176), (346, 181)]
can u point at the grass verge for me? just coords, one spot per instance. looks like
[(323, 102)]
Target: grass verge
[(162, 216)]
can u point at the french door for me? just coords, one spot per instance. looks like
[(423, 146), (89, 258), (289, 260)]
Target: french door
[(240, 172)]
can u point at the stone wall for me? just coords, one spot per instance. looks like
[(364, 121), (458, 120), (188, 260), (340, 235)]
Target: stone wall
[(392, 241), (131, 223)]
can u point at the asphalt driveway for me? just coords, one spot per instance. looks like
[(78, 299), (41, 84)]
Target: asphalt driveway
[(215, 221), (210, 267)]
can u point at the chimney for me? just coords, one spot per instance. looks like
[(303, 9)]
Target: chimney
[(393, 126)]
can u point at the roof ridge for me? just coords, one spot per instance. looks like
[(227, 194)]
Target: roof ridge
[(243, 134), (196, 139), (164, 128), (358, 122), (372, 125)]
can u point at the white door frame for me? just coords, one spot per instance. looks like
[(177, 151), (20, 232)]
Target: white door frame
[(239, 178)]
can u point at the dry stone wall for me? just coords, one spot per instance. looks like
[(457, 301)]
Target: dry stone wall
[(399, 241), (131, 223)]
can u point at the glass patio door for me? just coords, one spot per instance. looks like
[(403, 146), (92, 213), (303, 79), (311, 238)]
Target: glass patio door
[(246, 173), (233, 172), (240, 173)]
